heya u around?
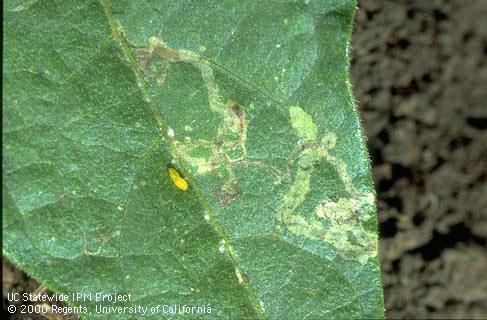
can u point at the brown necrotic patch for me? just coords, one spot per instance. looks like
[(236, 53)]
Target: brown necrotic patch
[(153, 63), (228, 193)]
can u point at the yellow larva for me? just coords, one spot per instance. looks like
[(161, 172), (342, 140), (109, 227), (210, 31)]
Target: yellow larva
[(177, 179)]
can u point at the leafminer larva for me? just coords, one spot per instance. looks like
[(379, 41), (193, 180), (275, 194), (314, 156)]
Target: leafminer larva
[(177, 178)]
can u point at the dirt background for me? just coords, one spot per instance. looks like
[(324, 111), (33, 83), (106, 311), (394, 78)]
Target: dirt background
[(419, 72)]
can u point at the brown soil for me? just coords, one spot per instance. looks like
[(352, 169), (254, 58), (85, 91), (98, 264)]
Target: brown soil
[(419, 71), (16, 281)]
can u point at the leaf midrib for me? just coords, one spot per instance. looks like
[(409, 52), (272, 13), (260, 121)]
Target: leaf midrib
[(120, 37)]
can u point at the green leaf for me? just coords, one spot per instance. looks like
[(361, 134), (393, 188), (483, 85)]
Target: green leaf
[(247, 102)]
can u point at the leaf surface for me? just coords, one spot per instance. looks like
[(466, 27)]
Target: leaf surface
[(189, 153)]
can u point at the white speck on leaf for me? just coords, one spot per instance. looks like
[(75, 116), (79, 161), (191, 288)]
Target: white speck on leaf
[(24, 6), (239, 275), (222, 246)]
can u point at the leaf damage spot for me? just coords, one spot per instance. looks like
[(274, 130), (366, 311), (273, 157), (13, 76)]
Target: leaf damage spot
[(228, 193), (228, 147), (303, 124), (94, 242), (337, 222), (24, 6), (160, 79)]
